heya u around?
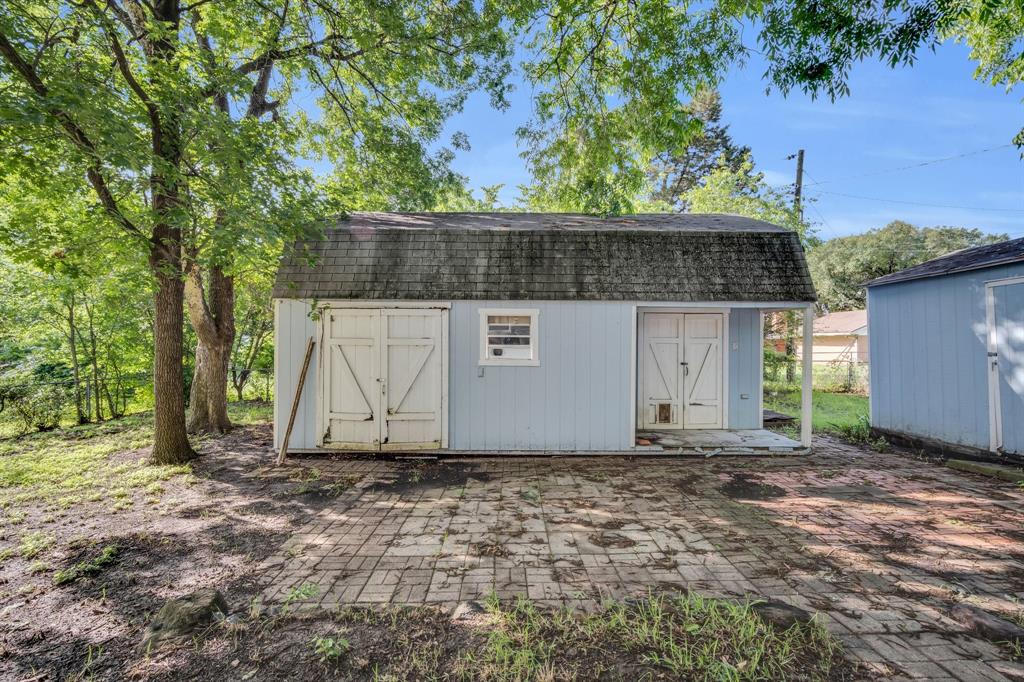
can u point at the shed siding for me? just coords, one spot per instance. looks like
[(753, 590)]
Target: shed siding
[(579, 397), (744, 367), (293, 327), (928, 356)]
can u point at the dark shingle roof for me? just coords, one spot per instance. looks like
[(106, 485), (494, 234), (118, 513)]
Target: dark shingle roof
[(516, 256), (975, 258)]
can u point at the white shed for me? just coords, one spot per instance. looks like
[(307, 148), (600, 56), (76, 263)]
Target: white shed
[(518, 332)]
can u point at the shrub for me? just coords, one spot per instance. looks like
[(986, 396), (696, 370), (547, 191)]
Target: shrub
[(37, 407)]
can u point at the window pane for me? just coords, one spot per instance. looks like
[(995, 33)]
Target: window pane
[(508, 340), (521, 329), (508, 319)]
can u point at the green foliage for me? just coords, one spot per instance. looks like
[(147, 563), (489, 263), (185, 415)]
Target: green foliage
[(608, 79), (330, 649), (37, 407), (69, 466), (673, 174), (811, 45), (860, 432), (107, 556), (35, 543), (684, 636), (743, 191), (831, 411), (841, 266)]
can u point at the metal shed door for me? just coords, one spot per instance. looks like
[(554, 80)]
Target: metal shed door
[(384, 378), (1006, 364)]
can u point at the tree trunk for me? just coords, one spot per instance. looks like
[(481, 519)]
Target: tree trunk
[(212, 317), (95, 365), (170, 442), (79, 414), (208, 399)]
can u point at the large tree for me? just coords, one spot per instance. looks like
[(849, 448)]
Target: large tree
[(180, 117), (841, 266), (812, 45), (674, 173)]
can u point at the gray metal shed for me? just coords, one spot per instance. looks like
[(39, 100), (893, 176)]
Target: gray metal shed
[(947, 351), (519, 332)]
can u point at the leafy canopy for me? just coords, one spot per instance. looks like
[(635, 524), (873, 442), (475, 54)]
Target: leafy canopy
[(842, 265), (743, 191)]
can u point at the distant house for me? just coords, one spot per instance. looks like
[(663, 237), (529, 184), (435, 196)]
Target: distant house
[(838, 337), (519, 332), (947, 351)]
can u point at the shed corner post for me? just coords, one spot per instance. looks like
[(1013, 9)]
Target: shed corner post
[(807, 378)]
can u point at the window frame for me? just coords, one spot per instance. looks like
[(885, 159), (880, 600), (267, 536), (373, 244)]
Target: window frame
[(533, 361)]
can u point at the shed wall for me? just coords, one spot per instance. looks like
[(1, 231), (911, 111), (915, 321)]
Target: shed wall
[(578, 398), (292, 329), (928, 356)]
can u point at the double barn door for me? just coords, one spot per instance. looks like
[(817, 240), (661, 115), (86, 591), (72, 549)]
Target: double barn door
[(384, 378), (681, 370)]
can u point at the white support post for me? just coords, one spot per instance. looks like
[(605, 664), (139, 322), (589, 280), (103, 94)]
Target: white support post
[(806, 390)]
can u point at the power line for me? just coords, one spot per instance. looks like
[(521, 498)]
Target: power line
[(916, 165), (921, 203)]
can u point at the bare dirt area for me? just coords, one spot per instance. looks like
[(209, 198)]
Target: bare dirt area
[(210, 528)]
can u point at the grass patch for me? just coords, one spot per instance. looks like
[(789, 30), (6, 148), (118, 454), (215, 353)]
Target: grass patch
[(107, 556), (682, 637), (831, 411), (35, 543), (66, 467)]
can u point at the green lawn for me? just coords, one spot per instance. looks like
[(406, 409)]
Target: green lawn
[(69, 465), (832, 411)]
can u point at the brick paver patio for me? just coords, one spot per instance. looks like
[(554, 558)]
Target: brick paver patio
[(880, 545)]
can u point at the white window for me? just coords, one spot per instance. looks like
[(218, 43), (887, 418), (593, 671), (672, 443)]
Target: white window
[(508, 337)]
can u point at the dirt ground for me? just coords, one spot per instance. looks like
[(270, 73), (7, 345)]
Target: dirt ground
[(882, 546)]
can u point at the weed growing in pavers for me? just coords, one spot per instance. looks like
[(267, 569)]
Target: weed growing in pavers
[(301, 593), (686, 636), (330, 649), (106, 557)]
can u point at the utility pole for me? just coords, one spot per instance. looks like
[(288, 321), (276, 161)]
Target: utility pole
[(798, 189)]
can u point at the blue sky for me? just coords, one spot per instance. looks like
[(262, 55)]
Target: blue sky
[(893, 118)]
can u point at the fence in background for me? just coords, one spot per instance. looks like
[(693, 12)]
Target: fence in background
[(835, 376)]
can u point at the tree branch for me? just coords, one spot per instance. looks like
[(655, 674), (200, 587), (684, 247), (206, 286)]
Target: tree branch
[(77, 135)]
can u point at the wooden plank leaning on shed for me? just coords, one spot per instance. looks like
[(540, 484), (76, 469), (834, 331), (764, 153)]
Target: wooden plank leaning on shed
[(295, 401)]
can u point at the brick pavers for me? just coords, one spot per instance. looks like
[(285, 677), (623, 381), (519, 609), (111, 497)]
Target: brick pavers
[(880, 545)]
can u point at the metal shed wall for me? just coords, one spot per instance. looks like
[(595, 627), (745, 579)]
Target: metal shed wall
[(929, 371), (579, 397)]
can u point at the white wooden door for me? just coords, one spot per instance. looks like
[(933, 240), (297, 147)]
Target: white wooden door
[(385, 378), (662, 337), (413, 370), (702, 353), (352, 392), (681, 371)]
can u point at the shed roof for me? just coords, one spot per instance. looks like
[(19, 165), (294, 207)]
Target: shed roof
[(843, 322), (547, 256), (974, 258)]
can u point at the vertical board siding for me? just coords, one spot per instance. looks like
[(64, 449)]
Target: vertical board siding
[(293, 331), (744, 351), (1009, 327), (577, 399), (929, 368)]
